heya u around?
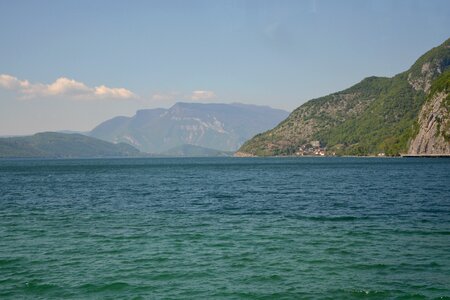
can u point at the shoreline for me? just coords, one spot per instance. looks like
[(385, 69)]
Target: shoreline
[(352, 156)]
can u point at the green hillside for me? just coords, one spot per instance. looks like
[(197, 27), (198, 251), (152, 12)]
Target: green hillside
[(62, 145), (377, 115)]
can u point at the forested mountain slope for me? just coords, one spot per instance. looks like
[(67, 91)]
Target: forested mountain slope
[(377, 115)]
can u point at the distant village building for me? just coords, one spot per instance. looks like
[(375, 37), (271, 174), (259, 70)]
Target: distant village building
[(315, 144), (311, 148)]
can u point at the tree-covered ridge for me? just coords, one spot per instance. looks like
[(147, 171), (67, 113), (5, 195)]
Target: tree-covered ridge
[(318, 114), (62, 145), (377, 115), (429, 66), (384, 127)]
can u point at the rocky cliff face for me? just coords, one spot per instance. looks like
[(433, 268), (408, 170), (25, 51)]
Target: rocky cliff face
[(433, 137)]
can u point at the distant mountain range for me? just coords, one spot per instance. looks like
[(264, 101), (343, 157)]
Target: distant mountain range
[(408, 113), (223, 127), (62, 145), (195, 151)]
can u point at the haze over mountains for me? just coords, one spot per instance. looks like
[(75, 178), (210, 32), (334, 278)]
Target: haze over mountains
[(223, 127), (186, 129), (406, 114)]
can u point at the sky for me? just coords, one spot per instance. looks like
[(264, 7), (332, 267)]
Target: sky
[(69, 65)]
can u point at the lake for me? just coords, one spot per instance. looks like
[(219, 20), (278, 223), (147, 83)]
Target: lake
[(225, 228)]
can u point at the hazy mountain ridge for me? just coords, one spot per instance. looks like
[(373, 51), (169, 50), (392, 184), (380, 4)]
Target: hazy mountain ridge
[(62, 145), (223, 127), (195, 151), (377, 115)]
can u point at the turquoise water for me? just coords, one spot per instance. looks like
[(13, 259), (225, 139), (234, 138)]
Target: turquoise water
[(225, 228)]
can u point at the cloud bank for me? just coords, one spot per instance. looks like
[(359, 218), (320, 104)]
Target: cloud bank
[(203, 95), (62, 87)]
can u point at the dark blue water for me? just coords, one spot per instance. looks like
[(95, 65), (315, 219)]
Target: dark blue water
[(225, 228)]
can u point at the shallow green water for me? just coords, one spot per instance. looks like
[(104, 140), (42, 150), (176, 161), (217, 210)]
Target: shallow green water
[(225, 228)]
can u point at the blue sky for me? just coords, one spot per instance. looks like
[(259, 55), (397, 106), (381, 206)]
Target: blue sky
[(73, 64)]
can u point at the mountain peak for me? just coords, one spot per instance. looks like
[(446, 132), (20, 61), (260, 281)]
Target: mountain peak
[(210, 125), (429, 66)]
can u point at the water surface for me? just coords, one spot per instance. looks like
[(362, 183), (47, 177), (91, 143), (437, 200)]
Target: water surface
[(225, 228)]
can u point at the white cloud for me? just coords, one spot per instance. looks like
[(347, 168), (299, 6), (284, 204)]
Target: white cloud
[(66, 86), (106, 92), (9, 82), (202, 95), (63, 87)]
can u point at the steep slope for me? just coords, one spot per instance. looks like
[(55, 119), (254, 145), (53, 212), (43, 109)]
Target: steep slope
[(223, 127), (62, 145), (377, 115), (434, 121)]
